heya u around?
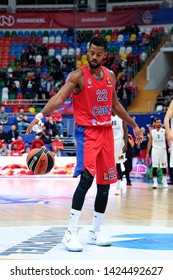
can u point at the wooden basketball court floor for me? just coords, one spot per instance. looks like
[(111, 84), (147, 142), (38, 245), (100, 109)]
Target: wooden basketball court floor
[(34, 214)]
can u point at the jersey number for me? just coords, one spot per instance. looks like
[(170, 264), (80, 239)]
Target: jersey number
[(102, 95)]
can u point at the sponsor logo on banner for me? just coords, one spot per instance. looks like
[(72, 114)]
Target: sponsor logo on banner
[(6, 20), (18, 20)]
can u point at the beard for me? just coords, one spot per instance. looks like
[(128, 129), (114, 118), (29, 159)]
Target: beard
[(159, 126), (95, 66)]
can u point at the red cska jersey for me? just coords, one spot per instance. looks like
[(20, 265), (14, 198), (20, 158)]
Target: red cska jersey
[(93, 105)]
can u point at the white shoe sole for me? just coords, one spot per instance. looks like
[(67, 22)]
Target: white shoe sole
[(99, 241), (77, 248), (104, 244)]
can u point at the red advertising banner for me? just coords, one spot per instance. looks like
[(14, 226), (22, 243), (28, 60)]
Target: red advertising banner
[(85, 20)]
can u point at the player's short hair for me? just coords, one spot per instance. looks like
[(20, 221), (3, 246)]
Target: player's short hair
[(98, 41), (157, 119)]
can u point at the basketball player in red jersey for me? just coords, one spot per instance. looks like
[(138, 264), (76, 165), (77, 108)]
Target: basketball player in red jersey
[(94, 99)]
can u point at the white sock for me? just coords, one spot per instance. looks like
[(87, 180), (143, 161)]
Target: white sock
[(97, 221), (164, 180), (118, 184), (73, 221), (155, 180)]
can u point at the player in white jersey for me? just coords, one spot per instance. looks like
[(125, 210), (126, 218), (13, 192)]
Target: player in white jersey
[(157, 140), (120, 147)]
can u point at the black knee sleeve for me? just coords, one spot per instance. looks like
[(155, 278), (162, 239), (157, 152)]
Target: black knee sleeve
[(119, 171), (85, 183), (154, 172), (101, 198), (164, 171)]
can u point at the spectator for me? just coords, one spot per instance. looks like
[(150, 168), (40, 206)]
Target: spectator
[(49, 85), (29, 91), (169, 95), (57, 146), (56, 63), (24, 83), (17, 70), (119, 89), (165, 104), (13, 89), (53, 91), (34, 88), (12, 134), (57, 117), (3, 115), (64, 63), (70, 32), (45, 135), (9, 80), (15, 151), (170, 84), (37, 142), (27, 150), (32, 49), (128, 89), (164, 92), (80, 37), (70, 63), (43, 81), (51, 126), (25, 57), (44, 52), (57, 75), (4, 151), (135, 29), (18, 145), (22, 121), (145, 40), (143, 145), (31, 61), (3, 76), (40, 94), (127, 30), (3, 134), (128, 164)]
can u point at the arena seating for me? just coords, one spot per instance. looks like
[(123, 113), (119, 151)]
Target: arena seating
[(13, 43)]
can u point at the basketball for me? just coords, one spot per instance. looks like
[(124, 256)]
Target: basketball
[(40, 160)]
